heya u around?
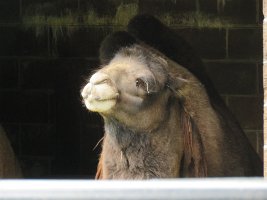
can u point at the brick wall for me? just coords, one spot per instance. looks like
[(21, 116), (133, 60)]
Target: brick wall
[(265, 85), (48, 48)]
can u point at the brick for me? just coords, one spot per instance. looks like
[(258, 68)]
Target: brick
[(264, 40), (240, 11), (9, 11), (209, 7), (9, 76), (208, 43), (264, 77), (158, 7), (248, 111), (67, 159), (13, 134), (225, 99), (9, 106), (48, 7), (264, 5), (16, 41), (233, 78), (8, 39), (253, 138), (260, 79), (89, 156), (77, 71), (92, 130), (260, 144), (260, 12), (36, 167), (100, 7), (91, 118), (31, 43), (245, 43), (53, 73), (67, 113), (24, 107), (84, 42), (41, 139), (39, 74), (34, 107), (66, 167)]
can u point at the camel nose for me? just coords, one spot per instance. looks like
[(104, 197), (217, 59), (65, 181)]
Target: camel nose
[(100, 94), (86, 90), (99, 78), (96, 86)]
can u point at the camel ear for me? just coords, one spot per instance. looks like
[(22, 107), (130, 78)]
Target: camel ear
[(194, 162), (187, 89)]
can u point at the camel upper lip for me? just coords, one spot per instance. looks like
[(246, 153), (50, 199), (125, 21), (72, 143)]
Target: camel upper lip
[(114, 98)]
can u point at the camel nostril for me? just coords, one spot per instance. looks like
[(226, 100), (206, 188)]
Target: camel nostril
[(86, 90), (84, 94), (100, 78), (105, 81)]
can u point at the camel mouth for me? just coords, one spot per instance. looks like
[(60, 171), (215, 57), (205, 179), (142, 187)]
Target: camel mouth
[(100, 98), (100, 105), (100, 94)]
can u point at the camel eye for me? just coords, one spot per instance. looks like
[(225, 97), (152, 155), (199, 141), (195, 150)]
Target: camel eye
[(140, 83)]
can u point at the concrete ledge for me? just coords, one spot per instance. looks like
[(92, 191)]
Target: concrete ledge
[(224, 188)]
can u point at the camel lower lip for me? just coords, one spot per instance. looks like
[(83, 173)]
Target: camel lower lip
[(110, 98), (100, 105), (107, 99)]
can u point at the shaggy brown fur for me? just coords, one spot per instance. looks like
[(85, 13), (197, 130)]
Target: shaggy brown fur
[(159, 122), (9, 166)]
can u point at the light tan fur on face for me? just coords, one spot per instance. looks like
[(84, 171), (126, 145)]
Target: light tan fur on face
[(100, 94)]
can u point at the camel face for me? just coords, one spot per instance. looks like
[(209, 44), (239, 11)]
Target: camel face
[(130, 89)]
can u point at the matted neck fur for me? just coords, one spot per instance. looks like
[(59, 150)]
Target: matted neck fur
[(159, 122)]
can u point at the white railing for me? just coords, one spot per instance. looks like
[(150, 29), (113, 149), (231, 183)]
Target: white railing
[(223, 189)]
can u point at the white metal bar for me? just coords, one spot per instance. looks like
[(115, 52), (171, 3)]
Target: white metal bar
[(211, 189)]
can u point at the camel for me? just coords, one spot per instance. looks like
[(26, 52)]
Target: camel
[(160, 121), (9, 165)]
